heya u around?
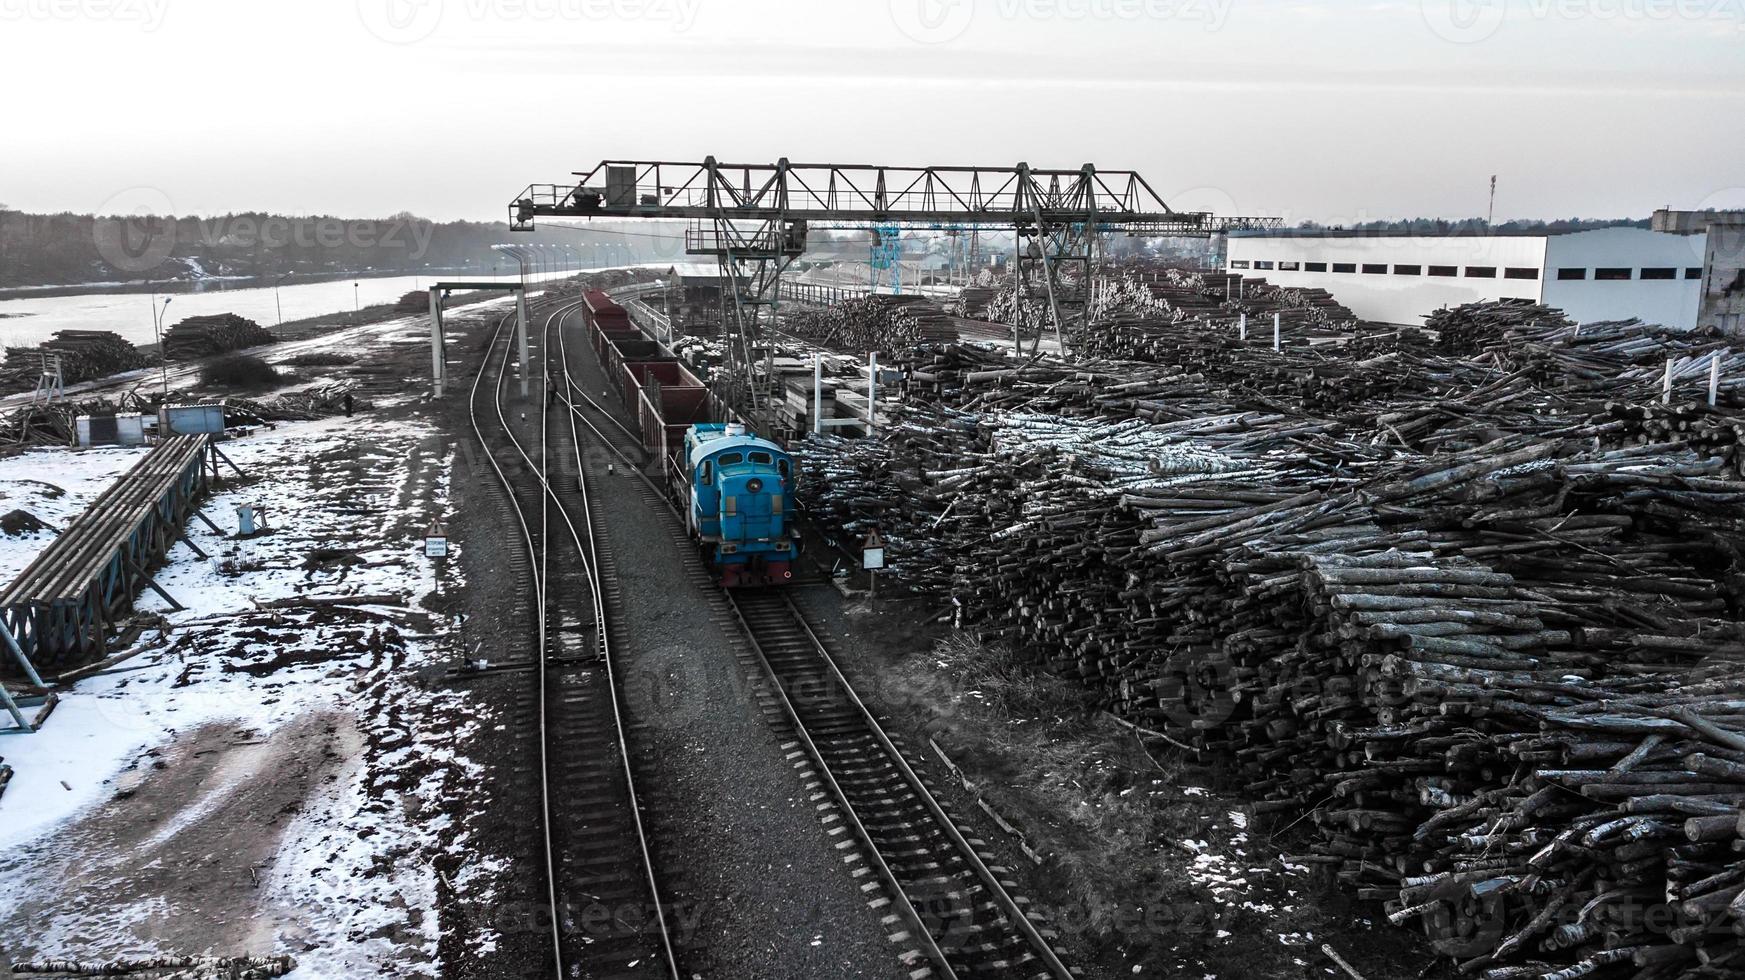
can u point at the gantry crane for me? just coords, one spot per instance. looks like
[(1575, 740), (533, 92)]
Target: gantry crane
[(754, 219)]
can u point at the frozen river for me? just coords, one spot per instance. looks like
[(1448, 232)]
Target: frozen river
[(27, 322)]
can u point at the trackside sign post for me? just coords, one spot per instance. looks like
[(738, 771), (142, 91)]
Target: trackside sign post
[(872, 558)]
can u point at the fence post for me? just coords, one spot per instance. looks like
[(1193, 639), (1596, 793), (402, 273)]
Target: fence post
[(817, 393), (872, 391)]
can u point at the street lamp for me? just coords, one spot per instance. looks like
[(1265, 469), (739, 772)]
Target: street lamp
[(356, 303), (157, 326), (276, 304)]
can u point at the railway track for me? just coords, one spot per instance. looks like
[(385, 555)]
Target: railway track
[(946, 893), (607, 919)]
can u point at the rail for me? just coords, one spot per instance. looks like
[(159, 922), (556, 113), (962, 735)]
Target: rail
[(538, 544), (946, 960)]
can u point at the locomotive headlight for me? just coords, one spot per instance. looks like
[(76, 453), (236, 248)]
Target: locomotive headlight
[(753, 485)]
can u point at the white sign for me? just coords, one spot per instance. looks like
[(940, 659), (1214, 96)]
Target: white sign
[(436, 541), (872, 552)]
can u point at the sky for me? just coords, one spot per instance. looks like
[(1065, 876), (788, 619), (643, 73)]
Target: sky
[(1305, 109)]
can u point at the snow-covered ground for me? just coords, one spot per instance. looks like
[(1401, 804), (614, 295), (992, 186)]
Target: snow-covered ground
[(54, 486), (267, 775)]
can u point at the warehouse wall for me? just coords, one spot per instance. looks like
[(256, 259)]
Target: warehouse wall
[(1406, 291), (1670, 302), (1397, 295)]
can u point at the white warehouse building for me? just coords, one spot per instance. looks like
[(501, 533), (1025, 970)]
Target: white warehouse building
[(1608, 274)]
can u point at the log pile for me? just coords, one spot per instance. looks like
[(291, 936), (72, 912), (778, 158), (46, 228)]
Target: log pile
[(85, 355), (205, 336), (868, 323), (1473, 327), (53, 424), (164, 968), (1477, 626)]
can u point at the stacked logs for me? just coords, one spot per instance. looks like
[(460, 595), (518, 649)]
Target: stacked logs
[(869, 323), (205, 336), (1503, 682), (1473, 327), (84, 354), (165, 968)]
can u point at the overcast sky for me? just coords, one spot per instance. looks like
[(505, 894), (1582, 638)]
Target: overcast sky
[(1309, 109)]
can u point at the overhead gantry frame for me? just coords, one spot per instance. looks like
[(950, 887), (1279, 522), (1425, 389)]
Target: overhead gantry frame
[(754, 219)]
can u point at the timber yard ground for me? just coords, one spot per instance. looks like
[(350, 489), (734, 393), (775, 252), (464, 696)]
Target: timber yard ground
[(265, 777), (336, 761)]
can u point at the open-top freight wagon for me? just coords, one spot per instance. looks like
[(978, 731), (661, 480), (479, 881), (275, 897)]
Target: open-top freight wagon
[(735, 489)]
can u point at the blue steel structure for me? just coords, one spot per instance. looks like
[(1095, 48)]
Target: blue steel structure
[(60, 610), (887, 254), (741, 503)]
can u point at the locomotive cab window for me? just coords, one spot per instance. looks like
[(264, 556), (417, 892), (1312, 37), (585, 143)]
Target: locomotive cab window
[(732, 459), (782, 468), (762, 459), (705, 473)]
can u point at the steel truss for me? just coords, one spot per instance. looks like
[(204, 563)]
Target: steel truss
[(754, 219)]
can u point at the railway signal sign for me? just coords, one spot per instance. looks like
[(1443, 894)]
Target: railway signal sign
[(872, 552), (436, 540)]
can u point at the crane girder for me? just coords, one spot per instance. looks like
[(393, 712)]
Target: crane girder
[(1018, 196)]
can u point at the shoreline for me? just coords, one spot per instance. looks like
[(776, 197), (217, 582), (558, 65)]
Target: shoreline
[(144, 287)]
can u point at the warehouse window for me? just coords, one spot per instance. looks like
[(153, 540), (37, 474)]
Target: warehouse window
[(1520, 273), (1611, 275), (1314, 267), (1263, 264), (1371, 269), (1344, 267), (1238, 263), (1660, 274), (1290, 267), (1569, 275), (1445, 270), (1693, 273), (1481, 272), (1408, 270)]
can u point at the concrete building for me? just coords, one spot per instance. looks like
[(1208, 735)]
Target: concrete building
[(1723, 292), (1609, 274)]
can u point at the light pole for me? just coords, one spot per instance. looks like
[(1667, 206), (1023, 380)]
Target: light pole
[(157, 325), (356, 303), (280, 307)]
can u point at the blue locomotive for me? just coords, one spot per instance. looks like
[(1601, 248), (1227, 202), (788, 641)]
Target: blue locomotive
[(741, 491)]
